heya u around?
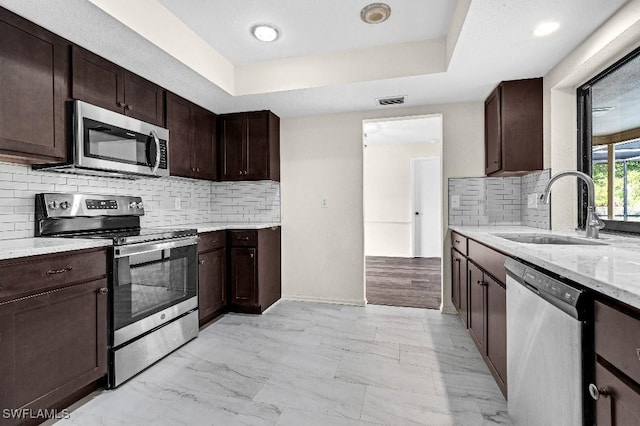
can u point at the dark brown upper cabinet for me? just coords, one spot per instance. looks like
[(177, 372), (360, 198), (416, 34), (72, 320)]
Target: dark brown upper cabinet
[(34, 70), (192, 133), (513, 128), (249, 146), (100, 82)]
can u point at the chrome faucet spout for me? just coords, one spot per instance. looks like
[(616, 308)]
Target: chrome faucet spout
[(594, 224)]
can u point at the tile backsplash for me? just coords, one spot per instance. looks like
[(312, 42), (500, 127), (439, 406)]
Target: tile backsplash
[(168, 201), (499, 200)]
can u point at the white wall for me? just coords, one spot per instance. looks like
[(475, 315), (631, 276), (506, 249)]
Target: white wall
[(387, 196), (321, 156), (613, 40)]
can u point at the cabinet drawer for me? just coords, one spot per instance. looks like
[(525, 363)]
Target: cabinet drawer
[(617, 339), (459, 242), (488, 259), (25, 276), (244, 238), (211, 241)]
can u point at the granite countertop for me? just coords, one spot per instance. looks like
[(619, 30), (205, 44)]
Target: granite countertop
[(612, 269), (23, 247), (223, 226)]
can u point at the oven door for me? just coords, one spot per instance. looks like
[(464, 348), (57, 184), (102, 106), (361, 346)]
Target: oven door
[(153, 283), (106, 140)]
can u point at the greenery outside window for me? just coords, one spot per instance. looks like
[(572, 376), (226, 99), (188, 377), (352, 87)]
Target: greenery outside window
[(609, 144)]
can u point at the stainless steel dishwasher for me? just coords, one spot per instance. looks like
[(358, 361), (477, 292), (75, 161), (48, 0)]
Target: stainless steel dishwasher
[(546, 326)]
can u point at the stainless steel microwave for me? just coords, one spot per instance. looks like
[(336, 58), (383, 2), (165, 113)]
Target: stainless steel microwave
[(105, 143)]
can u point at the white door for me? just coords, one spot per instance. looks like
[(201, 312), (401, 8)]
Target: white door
[(427, 214)]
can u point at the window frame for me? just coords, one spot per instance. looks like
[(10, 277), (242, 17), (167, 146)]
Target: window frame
[(585, 146)]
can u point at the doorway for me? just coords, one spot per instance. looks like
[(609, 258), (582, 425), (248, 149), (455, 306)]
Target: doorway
[(402, 195)]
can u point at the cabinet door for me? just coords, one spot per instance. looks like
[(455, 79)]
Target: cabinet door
[(497, 327), (212, 272), (179, 116), (53, 344), (34, 80), (97, 81), (232, 147), (477, 306), (493, 133), (244, 276), (143, 99), (257, 161), (620, 405), (455, 279), (203, 146)]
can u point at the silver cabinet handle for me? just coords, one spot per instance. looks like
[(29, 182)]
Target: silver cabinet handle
[(154, 135), (103, 291), (596, 392), (59, 271), (198, 169), (240, 173), (251, 255), (245, 172), (637, 349), (201, 261), (129, 107), (120, 104)]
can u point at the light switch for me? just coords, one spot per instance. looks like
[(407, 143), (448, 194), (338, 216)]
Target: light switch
[(455, 201), (324, 203), (532, 201)]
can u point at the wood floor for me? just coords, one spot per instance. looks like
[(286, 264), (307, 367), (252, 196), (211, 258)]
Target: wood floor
[(401, 281)]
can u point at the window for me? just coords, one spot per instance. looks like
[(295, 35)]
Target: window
[(609, 143)]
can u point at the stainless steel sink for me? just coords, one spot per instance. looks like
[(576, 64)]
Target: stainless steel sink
[(549, 239)]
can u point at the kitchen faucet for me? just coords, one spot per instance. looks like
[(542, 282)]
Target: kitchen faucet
[(594, 223)]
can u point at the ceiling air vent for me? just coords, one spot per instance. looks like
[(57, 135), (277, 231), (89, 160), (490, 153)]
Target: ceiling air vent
[(392, 100)]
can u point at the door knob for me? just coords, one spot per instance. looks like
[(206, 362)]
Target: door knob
[(417, 213)]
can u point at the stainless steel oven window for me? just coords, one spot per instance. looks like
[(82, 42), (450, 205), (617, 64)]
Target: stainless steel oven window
[(149, 281)]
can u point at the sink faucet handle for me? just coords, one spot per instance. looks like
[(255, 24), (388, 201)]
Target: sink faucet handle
[(596, 221)]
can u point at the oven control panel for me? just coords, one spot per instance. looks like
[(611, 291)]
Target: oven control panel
[(102, 204), (60, 205)]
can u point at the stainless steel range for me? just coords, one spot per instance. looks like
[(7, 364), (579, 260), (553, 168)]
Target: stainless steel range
[(153, 275)]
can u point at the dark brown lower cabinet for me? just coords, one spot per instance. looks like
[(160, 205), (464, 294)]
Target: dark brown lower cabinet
[(496, 340), (479, 294), (616, 386), (212, 298), (254, 269), (459, 287), (52, 345), (477, 304), (619, 402)]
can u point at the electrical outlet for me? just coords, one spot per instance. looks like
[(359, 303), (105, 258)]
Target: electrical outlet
[(177, 203), (324, 203), (532, 201), (455, 201)]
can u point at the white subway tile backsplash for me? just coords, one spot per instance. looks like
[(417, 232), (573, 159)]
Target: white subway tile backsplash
[(200, 201), (499, 201)]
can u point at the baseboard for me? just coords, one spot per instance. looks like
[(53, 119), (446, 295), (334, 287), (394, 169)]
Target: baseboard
[(336, 301), (448, 309)]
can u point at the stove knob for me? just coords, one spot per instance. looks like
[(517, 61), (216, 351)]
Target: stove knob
[(53, 205), (64, 205), (133, 204), (140, 205)]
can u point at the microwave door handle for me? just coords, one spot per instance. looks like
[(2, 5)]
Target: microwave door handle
[(154, 135)]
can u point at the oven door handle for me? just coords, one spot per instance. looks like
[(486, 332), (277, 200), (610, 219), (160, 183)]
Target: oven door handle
[(141, 248)]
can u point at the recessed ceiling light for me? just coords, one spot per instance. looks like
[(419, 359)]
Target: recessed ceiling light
[(375, 13), (265, 32), (545, 28)]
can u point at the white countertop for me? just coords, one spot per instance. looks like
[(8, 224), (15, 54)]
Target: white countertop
[(11, 249), (612, 269), (24, 247), (223, 226)]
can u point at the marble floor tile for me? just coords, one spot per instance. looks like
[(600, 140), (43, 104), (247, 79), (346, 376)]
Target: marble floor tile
[(331, 397), (358, 369), (305, 363), (410, 408)]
